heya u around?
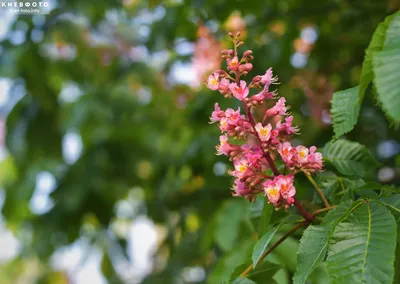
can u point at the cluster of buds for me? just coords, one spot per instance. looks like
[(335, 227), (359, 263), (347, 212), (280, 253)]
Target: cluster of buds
[(254, 168)]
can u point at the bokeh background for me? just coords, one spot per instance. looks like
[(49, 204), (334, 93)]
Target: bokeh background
[(107, 165)]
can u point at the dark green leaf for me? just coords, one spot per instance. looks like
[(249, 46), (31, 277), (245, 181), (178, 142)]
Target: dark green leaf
[(263, 273)]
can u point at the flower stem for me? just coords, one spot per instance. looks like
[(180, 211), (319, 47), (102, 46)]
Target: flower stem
[(316, 212), (306, 215), (321, 194), (267, 155)]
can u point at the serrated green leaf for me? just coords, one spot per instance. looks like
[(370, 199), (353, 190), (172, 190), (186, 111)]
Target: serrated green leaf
[(392, 36), (362, 248), (262, 244), (334, 186), (387, 73), (350, 158), (314, 243), (265, 217), (376, 44), (393, 203), (345, 110)]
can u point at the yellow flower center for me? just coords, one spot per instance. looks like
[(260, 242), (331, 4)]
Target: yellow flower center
[(214, 82), (302, 154), (242, 168), (264, 131), (274, 191)]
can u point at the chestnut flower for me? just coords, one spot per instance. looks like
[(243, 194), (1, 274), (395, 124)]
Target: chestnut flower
[(254, 168)]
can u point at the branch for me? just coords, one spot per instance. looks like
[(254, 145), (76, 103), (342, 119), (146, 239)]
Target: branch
[(284, 237), (309, 217)]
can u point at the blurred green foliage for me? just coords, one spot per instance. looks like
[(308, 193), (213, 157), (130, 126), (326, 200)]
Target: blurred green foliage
[(147, 139)]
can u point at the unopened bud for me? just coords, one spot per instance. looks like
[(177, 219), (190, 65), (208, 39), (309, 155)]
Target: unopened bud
[(224, 51), (257, 79), (238, 34), (247, 53), (230, 34)]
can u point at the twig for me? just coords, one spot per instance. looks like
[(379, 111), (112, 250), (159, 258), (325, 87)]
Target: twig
[(278, 242), (321, 194), (316, 212), (284, 237), (309, 217)]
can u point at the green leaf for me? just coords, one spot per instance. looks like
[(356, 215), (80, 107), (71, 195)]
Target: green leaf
[(242, 280), (263, 273), (262, 244), (229, 261), (334, 186), (345, 110), (265, 217), (350, 158), (392, 36), (387, 73), (362, 248), (228, 221), (376, 44), (314, 243), (393, 203)]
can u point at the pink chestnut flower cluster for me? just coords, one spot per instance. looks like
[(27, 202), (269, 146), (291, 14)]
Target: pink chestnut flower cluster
[(254, 169)]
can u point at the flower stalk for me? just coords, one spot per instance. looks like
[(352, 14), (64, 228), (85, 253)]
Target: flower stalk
[(253, 159)]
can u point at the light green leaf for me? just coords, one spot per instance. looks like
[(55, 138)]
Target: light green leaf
[(376, 44), (265, 217), (314, 243), (345, 110), (362, 248), (242, 280), (262, 244), (387, 73), (392, 36), (350, 158), (393, 203)]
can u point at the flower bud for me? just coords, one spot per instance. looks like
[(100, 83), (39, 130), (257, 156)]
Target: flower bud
[(247, 53)]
